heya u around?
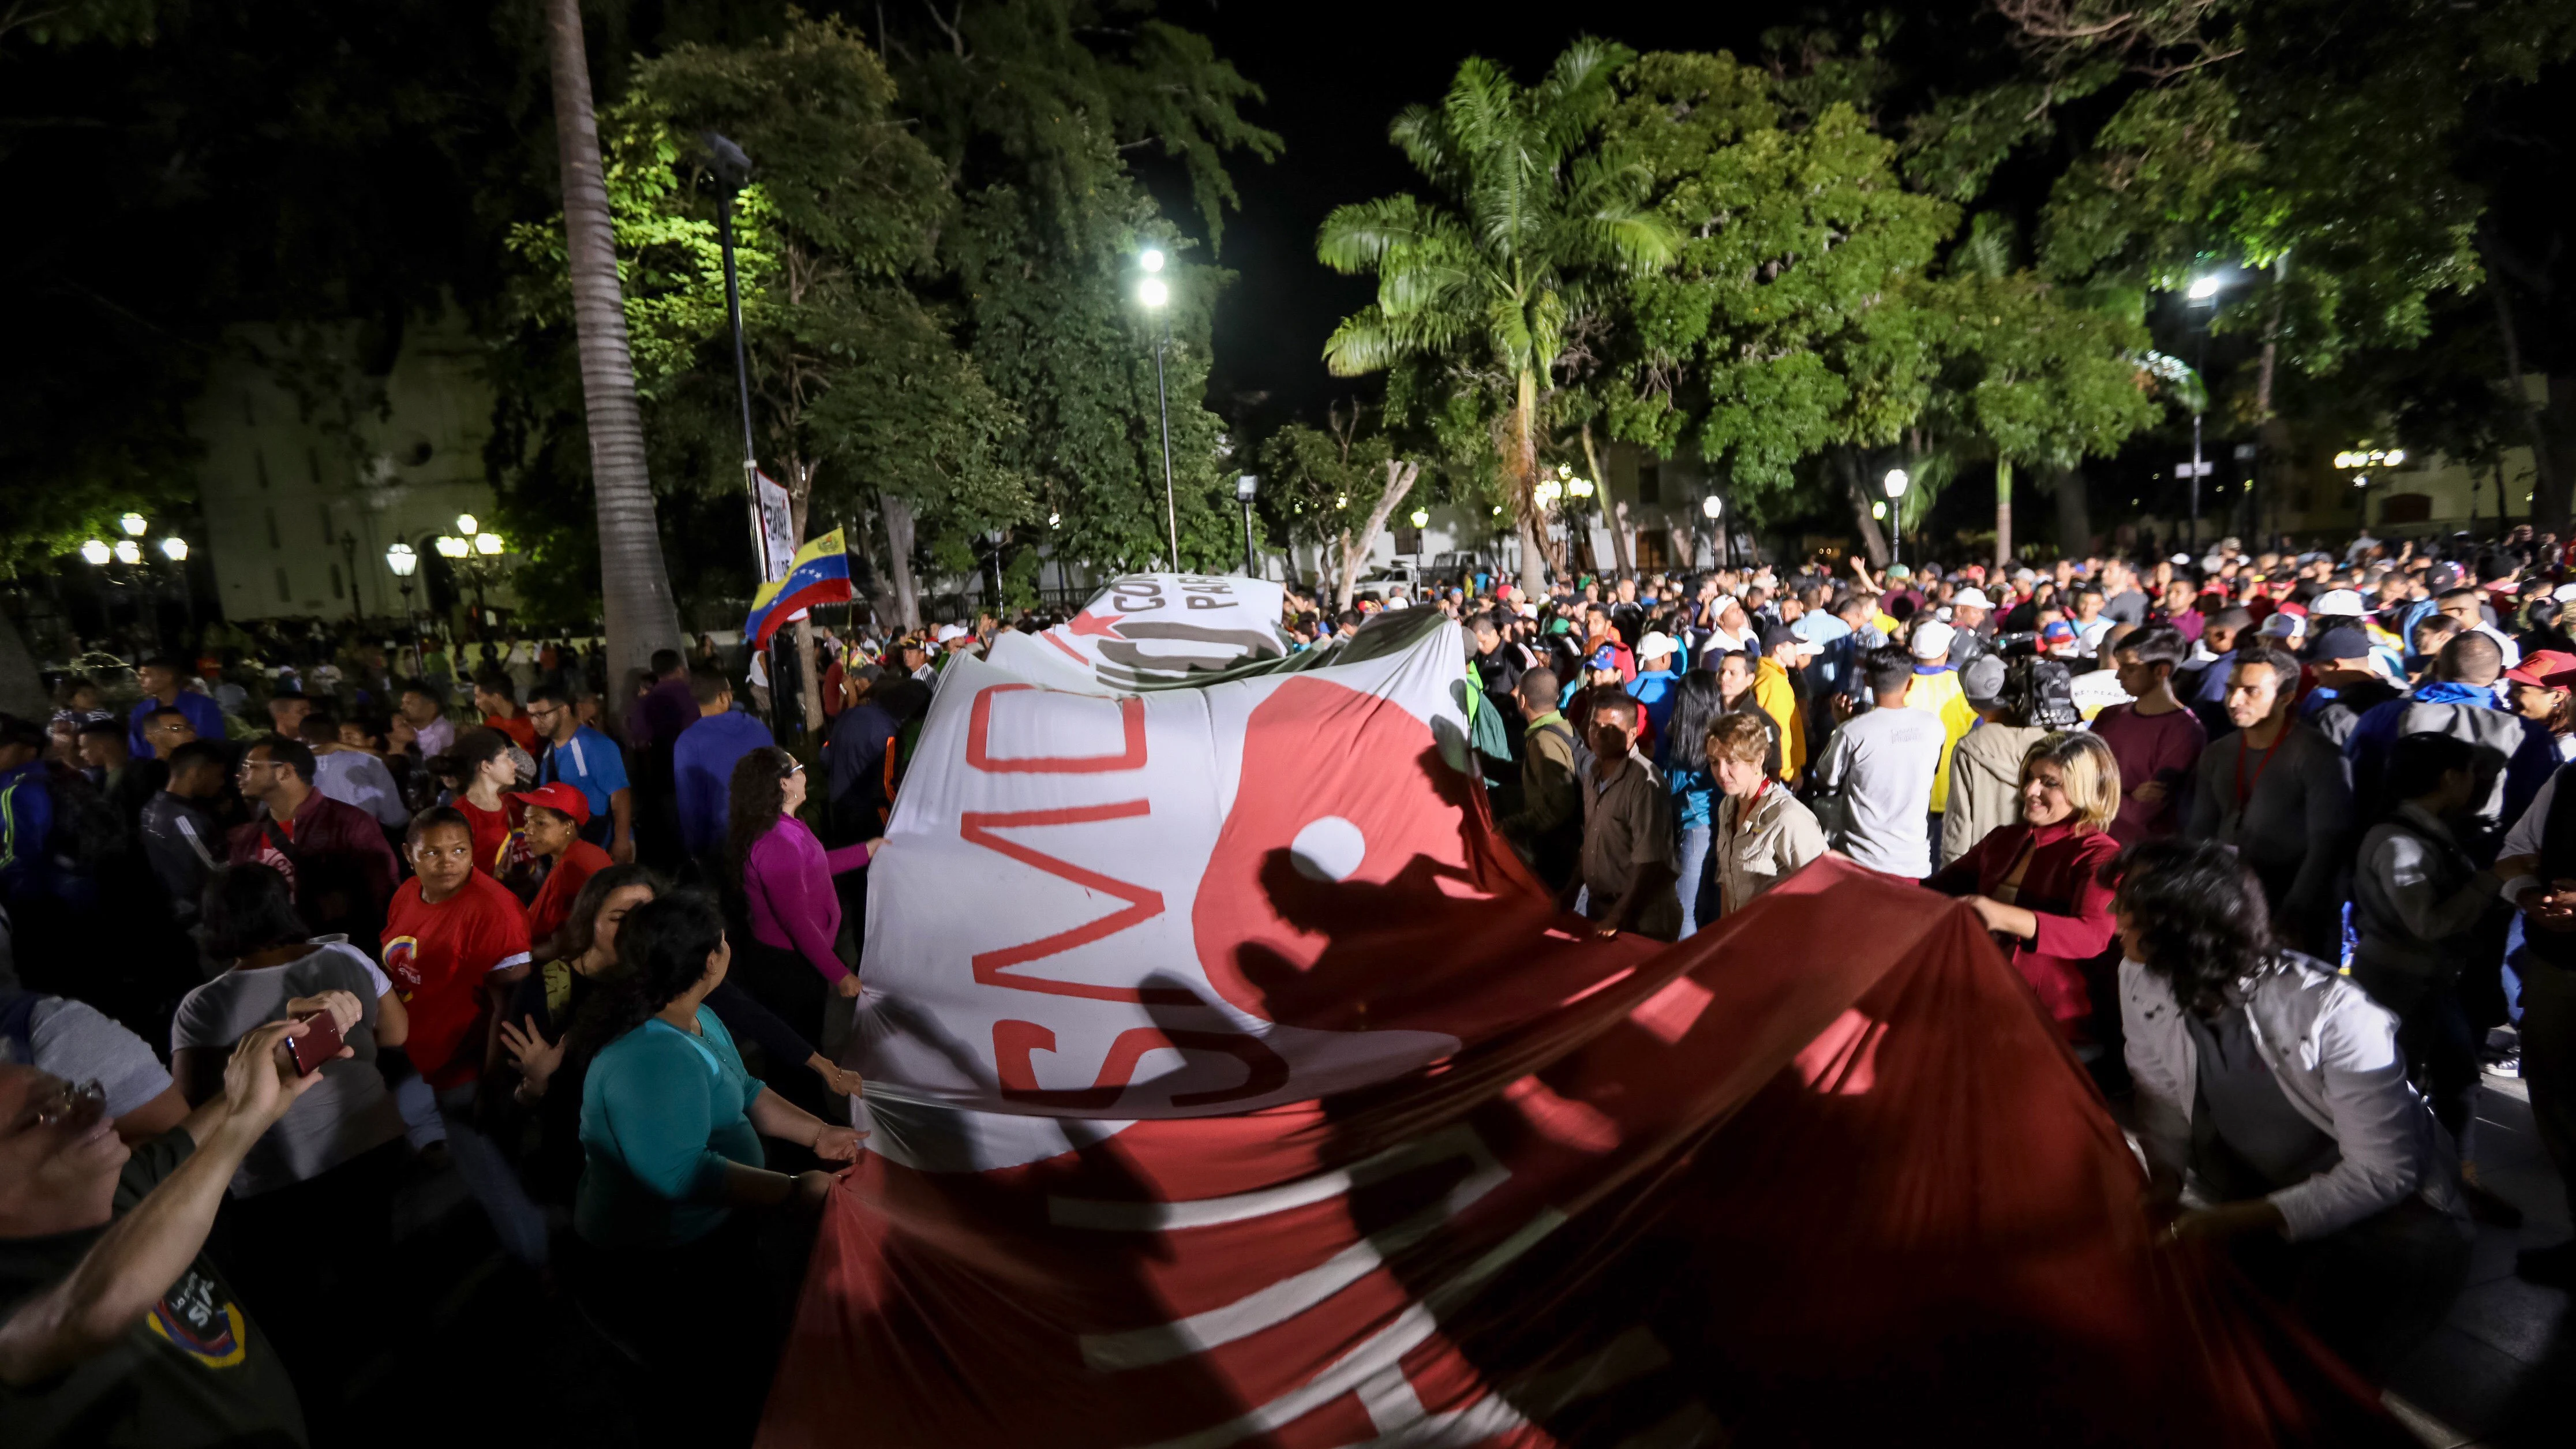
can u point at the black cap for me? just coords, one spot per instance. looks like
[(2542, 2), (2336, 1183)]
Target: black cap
[(1775, 635), (2342, 642)]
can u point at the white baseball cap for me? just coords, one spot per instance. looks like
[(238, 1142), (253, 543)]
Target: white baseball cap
[(2338, 601), (2564, 593), (2283, 626), (1931, 641), (948, 632), (1656, 645), (1971, 597)]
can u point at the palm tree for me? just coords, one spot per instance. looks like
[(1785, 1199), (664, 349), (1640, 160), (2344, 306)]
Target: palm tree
[(635, 588), (1535, 216)]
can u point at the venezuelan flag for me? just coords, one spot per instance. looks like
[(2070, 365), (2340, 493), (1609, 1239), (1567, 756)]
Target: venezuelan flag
[(819, 575)]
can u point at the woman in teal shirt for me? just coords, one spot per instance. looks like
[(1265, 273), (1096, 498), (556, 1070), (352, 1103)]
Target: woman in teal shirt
[(671, 1129), (670, 1121)]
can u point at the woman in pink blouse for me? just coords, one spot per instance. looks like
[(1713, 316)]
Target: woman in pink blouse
[(780, 880)]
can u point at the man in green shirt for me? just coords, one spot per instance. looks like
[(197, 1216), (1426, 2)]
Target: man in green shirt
[(114, 1329), (1548, 826)]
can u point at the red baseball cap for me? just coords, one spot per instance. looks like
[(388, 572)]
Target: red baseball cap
[(559, 797), (2546, 669)]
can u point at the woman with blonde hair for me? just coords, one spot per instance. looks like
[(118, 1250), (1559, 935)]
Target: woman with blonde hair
[(2038, 885)]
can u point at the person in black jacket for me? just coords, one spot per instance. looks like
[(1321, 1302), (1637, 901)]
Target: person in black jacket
[(182, 838)]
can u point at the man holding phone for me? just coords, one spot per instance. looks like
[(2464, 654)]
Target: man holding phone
[(114, 1328)]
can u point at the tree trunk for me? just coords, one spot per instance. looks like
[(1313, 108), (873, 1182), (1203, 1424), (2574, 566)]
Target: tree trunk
[(2003, 512), (634, 586), (2549, 498), (1872, 542), (898, 521), (2074, 517), (1614, 511), (1355, 552), (1524, 470), (2271, 435)]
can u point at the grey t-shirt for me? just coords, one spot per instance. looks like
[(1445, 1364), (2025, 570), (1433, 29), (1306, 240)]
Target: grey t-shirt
[(1883, 762), (350, 1112), (78, 1043)]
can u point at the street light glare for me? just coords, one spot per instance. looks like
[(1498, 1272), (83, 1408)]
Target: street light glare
[(465, 524), (450, 546), (1895, 482), (175, 549), (1580, 487), (1152, 292), (1710, 507), (128, 551), (1422, 518), (96, 552), (487, 544), (133, 525), (2203, 288), (402, 560), (1151, 259)]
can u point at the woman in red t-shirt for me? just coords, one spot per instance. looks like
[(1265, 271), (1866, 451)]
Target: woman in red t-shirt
[(489, 772)]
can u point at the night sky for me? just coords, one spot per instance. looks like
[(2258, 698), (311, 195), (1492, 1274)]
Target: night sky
[(1336, 74)]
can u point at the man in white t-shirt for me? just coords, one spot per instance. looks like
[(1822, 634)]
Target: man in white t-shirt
[(1879, 771)]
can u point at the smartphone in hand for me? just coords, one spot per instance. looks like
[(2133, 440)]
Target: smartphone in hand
[(320, 1042)]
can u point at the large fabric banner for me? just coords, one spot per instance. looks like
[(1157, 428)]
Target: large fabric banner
[(1230, 1083)]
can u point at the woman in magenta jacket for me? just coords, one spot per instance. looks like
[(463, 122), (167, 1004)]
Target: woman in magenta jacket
[(2038, 884), (781, 880)]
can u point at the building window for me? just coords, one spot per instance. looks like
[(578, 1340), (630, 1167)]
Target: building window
[(272, 531), (259, 463), (1650, 483), (313, 465), (1651, 550), (335, 581), (328, 536), (285, 595)]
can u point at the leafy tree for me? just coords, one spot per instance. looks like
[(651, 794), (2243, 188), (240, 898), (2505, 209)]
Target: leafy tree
[(1537, 218), (1789, 322), (1336, 487), (2326, 148), (1036, 108)]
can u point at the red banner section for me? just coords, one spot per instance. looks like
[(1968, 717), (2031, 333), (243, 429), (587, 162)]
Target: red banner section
[(1824, 1174)]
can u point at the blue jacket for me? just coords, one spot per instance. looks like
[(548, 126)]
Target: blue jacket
[(1653, 689), (204, 716), (702, 762)]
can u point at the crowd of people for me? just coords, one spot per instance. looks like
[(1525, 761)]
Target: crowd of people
[(2273, 837), (276, 954)]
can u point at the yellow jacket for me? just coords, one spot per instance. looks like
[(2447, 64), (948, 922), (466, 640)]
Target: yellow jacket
[(1937, 693), (1772, 691)]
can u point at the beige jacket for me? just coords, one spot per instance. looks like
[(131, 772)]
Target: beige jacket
[(1767, 845), (1985, 785)]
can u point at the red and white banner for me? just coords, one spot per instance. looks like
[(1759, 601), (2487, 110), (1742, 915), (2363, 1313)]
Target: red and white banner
[(1232, 1084)]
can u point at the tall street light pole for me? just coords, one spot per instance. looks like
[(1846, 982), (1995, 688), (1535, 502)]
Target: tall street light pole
[(1895, 484), (1245, 486), (733, 170), (1157, 295), (2203, 293)]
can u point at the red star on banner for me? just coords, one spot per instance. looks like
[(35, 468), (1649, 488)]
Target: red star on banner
[(1100, 626)]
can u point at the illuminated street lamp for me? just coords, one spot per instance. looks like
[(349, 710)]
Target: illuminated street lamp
[(133, 524), (488, 544), (128, 551), (1422, 518), (175, 549), (2202, 289), (96, 552), (1895, 484), (450, 546), (1156, 294)]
